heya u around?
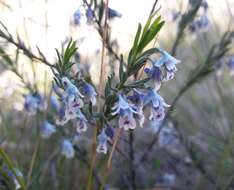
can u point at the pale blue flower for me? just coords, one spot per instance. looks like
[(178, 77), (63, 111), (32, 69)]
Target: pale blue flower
[(202, 22), (89, 15), (156, 104), (67, 149), (89, 93), (125, 111), (81, 122), (54, 103), (33, 103), (30, 104), (137, 98), (167, 137), (113, 13), (47, 129), (102, 142), (156, 75), (72, 103), (72, 96), (230, 64), (169, 179), (110, 132), (41, 102), (61, 118), (205, 5), (77, 17), (71, 112), (169, 62), (175, 15)]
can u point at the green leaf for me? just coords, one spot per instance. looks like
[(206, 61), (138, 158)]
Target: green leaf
[(64, 63), (137, 84), (137, 66), (133, 51), (6, 58), (151, 33), (108, 87), (147, 53), (147, 25), (121, 69)]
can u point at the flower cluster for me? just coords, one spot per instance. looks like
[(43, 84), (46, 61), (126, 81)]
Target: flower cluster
[(129, 107), (130, 110), (73, 102)]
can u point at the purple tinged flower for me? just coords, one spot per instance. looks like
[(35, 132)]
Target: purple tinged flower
[(71, 112), (61, 117), (157, 105), (138, 99), (110, 132), (72, 96), (67, 149), (47, 129), (81, 122), (89, 92), (169, 62), (125, 112), (102, 142), (157, 113), (156, 75)]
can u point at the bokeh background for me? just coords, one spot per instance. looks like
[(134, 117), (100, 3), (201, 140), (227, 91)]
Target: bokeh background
[(204, 115)]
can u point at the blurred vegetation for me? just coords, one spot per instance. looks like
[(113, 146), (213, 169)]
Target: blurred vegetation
[(201, 152)]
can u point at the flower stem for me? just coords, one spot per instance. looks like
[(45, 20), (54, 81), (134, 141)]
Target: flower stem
[(102, 74), (132, 159)]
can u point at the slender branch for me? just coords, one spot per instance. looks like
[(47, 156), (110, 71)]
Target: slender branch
[(132, 159), (185, 20), (25, 50), (102, 74), (35, 152), (80, 156), (197, 163), (104, 37)]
